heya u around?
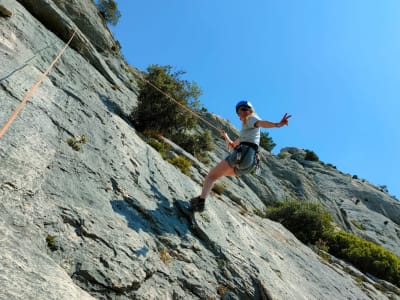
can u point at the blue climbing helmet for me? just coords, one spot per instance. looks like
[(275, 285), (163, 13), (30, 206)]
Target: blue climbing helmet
[(243, 103)]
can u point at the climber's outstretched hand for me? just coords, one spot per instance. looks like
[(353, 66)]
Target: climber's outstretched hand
[(285, 119)]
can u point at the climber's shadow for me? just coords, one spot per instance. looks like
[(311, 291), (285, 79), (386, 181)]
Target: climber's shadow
[(164, 219), (114, 108)]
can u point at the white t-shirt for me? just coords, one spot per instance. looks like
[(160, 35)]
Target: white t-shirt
[(249, 133)]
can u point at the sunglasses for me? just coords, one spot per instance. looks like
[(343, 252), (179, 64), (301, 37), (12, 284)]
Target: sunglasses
[(242, 109)]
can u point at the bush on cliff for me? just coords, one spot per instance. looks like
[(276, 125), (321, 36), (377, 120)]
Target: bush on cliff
[(158, 113), (266, 141), (312, 225), (366, 256), (306, 220), (109, 11)]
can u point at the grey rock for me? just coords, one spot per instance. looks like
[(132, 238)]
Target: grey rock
[(102, 222)]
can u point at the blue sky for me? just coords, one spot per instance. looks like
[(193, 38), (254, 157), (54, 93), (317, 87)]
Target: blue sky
[(334, 65)]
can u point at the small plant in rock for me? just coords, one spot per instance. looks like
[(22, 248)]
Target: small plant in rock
[(164, 256), (205, 217), (222, 290), (322, 249), (358, 225), (283, 155), (73, 144), (219, 188), (244, 211), (77, 141), (331, 166), (310, 155), (181, 163), (161, 147), (116, 48), (51, 242), (115, 87), (260, 213)]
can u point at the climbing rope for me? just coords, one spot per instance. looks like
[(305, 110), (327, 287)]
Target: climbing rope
[(44, 75), (34, 88), (196, 115)]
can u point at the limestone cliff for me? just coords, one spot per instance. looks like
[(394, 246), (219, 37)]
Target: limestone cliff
[(103, 223)]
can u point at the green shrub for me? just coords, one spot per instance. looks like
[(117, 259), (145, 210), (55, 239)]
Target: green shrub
[(310, 155), (306, 220), (156, 111), (219, 188), (77, 141), (109, 11), (366, 256), (181, 163), (203, 157), (266, 141), (283, 155), (358, 225), (205, 141), (51, 242), (311, 224), (197, 144), (260, 213), (161, 147)]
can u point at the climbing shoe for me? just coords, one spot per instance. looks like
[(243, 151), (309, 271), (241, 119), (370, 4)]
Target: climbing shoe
[(197, 204)]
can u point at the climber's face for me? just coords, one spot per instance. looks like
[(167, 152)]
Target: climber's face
[(243, 112)]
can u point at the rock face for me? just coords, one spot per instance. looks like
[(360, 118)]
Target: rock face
[(103, 222)]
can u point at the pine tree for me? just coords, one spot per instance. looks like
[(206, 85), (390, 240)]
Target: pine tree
[(109, 10), (266, 142), (156, 112)]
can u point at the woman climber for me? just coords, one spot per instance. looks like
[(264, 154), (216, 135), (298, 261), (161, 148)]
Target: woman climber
[(244, 157)]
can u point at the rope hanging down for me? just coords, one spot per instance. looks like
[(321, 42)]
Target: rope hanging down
[(181, 105), (34, 88)]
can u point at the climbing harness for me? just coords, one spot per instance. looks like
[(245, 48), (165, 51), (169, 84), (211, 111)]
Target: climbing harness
[(240, 155), (34, 88)]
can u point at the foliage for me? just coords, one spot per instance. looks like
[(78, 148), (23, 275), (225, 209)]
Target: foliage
[(156, 111), (161, 147), (366, 256), (109, 10), (197, 144), (219, 188), (306, 220), (311, 224), (51, 242), (205, 141), (181, 163), (358, 225), (266, 141), (283, 155), (259, 212), (77, 141), (164, 256), (310, 155)]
